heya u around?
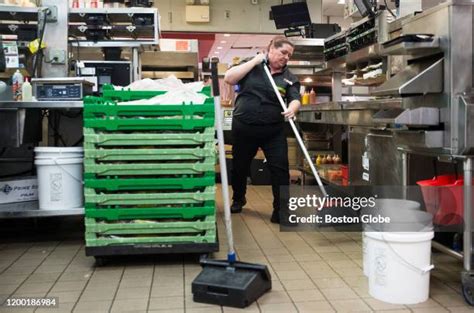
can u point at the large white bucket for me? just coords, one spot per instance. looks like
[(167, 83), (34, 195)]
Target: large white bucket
[(395, 204), (59, 180), (400, 266)]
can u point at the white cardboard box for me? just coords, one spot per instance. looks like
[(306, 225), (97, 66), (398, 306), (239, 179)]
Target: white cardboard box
[(18, 190)]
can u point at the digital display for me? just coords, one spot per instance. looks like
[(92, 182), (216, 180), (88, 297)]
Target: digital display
[(291, 15)]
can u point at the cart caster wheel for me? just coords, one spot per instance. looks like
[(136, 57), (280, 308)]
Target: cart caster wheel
[(203, 257), (467, 282), (100, 261)]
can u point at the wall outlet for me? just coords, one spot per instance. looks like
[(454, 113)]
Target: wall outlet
[(56, 56)]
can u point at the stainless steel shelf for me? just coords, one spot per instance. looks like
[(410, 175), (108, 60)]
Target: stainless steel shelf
[(30, 209), (126, 11), (112, 44), (15, 13), (41, 105)]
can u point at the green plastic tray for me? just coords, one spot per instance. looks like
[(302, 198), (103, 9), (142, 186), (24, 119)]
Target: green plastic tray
[(117, 184), (140, 169), (100, 139), (150, 213), (108, 92), (140, 227), (122, 124), (104, 155), (164, 198), (96, 240)]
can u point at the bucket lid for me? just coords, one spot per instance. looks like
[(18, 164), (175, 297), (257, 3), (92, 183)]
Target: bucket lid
[(404, 216), (59, 150), (402, 236)]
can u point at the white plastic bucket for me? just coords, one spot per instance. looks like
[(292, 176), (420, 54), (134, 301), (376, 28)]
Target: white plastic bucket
[(59, 183), (395, 204), (59, 152), (400, 266)]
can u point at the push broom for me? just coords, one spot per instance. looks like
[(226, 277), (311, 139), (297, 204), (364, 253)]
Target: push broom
[(228, 282)]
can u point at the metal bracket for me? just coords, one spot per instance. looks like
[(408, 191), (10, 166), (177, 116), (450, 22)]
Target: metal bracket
[(51, 14)]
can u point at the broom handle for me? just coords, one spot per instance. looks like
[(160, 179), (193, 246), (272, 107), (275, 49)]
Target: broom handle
[(222, 160), (295, 131)]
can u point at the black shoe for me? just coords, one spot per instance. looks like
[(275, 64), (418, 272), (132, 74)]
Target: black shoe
[(275, 219), (237, 206)]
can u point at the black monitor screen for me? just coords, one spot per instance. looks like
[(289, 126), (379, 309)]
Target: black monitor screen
[(364, 7), (291, 15)]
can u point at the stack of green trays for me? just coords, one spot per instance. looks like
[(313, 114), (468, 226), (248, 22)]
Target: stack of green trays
[(149, 171)]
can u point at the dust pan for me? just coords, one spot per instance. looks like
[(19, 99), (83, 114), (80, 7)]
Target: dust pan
[(228, 282)]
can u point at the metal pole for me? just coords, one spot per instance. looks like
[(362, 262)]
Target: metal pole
[(404, 173), (467, 166), (295, 131), (222, 160)]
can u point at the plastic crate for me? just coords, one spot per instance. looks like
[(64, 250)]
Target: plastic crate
[(93, 139), (147, 169), (140, 227), (149, 124), (153, 198), (151, 213), (109, 92), (95, 107), (98, 240), (104, 155), (165, 183), (107, 115)]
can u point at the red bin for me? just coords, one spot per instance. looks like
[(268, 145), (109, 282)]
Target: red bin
[(444, 198)]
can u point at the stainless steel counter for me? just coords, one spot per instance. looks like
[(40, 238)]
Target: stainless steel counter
[(345, 112), (30, 209), (41, 104)]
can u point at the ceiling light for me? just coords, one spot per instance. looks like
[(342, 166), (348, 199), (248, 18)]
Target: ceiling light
[(308, 80), (217, 52), (223, 41), (219, 48), (226, 35), (341, 1)]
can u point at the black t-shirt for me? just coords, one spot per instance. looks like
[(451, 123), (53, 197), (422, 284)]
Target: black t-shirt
[(257, 103)]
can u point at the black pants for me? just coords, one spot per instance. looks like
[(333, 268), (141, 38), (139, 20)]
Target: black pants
[(272, 140)]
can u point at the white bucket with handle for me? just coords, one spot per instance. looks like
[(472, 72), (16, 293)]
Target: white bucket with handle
[(382, 204), (59, 178), (400, 266)]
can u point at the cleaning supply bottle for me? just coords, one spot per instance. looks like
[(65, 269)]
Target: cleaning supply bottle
[(26, 91), (17, 82), (312, 96)]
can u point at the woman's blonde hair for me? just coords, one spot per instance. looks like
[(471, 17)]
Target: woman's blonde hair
[(278, 42)]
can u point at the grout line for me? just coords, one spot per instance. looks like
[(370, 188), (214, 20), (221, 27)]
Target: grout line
[(151, 286), (117, 289), (34, 270), (15, 260), (64, 270), (252, 188), (85, 286)]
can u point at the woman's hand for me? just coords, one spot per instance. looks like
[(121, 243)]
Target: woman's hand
[(293, 108)]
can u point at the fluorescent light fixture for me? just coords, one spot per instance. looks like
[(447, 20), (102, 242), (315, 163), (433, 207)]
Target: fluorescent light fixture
[(226, 35), (223, 41), (219, 48), (341, 1)]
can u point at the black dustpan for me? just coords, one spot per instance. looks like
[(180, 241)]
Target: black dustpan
[(236, 284), (228, 283)]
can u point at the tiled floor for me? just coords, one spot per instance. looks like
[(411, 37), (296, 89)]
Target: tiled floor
[(311, 272)]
